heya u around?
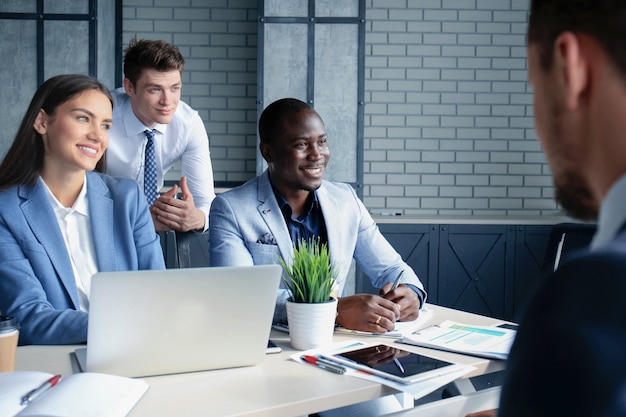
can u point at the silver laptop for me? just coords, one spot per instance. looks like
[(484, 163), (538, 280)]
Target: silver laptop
[(144, 323)]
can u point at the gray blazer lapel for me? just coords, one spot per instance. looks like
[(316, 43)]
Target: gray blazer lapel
[(101, 217), (270, 212), (44, 225)]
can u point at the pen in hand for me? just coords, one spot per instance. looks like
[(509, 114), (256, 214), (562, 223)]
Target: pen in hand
[(397, 281), (36, 393), (395, 284)]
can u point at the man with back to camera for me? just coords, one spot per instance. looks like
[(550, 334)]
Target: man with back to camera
[(254, 223), (149, 104), (569, 357)]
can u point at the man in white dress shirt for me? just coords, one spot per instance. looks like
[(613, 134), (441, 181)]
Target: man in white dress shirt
[(149, 104)]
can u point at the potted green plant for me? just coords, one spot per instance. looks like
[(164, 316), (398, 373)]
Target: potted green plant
[(310, 279)]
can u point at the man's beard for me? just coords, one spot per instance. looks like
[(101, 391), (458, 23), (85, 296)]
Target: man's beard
[(576, 198)]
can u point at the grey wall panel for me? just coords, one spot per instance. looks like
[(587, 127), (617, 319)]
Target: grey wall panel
[(106, 52), (66, 47), (285, 57), (18, 6), (291, 8), (336, 95), (18, 76), (334, 8), (41, 39), (66, 6)]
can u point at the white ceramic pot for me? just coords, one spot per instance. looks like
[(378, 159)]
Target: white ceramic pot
[(311, 325)]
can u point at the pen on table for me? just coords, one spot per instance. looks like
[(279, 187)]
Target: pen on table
[(36, 393), (324, 364)]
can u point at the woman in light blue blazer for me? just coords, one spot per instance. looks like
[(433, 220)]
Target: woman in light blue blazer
[(61, 222)]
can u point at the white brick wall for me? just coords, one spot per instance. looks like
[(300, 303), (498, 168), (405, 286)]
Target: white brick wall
[(218, 40), (448, 115), (447, 101)]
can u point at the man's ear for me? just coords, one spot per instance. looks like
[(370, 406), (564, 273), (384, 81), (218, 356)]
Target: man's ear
[(41, 122), (266, 152), (128, 86), (572, 66)]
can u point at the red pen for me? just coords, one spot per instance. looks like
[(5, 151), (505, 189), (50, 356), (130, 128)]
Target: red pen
[(34, 394), (324, 364)]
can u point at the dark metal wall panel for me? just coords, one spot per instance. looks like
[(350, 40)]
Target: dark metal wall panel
[(483, 269), (472, 268), (417, 246), (40, 39), (530, 251)]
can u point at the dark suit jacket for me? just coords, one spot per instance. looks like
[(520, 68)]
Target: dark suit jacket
[(569, 357)]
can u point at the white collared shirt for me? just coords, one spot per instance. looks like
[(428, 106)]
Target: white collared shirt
[(183, 140), (76, 229), (612, 215)]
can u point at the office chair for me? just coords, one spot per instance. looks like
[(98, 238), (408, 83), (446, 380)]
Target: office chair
[(565, 239), (185, 249), (192, 249)]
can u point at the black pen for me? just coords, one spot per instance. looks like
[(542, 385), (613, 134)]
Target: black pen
[(36, 393)]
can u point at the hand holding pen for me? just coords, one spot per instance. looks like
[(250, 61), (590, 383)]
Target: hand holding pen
[(395, 284), (404, 297)]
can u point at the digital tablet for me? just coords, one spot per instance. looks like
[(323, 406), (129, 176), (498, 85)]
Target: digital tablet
[(394, 363)]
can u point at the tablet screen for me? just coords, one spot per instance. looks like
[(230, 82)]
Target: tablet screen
[(394, 361)]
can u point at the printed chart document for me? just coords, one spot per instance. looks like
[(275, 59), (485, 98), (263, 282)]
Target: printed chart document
[(485, 341), (76, 395)]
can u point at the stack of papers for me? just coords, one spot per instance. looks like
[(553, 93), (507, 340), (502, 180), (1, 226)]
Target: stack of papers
[(485, 341)]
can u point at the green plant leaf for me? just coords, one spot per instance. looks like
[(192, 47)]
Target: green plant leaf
[(311, 276)]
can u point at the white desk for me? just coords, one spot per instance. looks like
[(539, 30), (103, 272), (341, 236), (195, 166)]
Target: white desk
[(277, 387)]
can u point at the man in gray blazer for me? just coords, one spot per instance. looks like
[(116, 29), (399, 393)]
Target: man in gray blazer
[(255, 223)]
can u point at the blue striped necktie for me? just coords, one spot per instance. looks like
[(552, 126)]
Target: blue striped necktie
[(149, 170)]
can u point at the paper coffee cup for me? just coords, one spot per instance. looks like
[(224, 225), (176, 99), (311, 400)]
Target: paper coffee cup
[(9, 333)]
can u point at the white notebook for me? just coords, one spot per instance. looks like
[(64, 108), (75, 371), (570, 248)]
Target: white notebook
[(77, 395)]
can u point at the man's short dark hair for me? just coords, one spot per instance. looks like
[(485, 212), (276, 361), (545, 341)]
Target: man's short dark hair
[(604, 20), (154, 54), (272, 117)]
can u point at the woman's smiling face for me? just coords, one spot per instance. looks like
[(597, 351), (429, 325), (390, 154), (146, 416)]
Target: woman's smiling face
[(76, 135)]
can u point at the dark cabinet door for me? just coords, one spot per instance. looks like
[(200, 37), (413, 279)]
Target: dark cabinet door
[(474, 263), (531, 245), (416, 244), (483, 269)]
